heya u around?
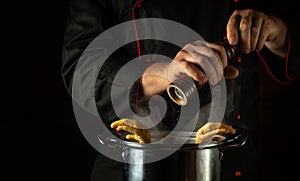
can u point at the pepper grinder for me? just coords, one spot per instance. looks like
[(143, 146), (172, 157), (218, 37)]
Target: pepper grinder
[(184, 88)]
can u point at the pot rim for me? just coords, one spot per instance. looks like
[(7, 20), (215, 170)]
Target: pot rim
[(181, 140)]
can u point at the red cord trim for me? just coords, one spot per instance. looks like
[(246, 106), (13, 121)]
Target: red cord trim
[(138, 4), (290, 80)]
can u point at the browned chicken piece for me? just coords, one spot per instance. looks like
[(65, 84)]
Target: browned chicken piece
[(139, 132), (210, 131)]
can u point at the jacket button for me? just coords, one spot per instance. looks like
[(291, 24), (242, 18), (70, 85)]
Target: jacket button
[(238, 116), (238, 173)]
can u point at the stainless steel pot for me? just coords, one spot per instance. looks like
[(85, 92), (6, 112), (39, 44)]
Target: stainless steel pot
[(191, 162)]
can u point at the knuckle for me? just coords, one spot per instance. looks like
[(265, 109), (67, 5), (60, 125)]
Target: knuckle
[(244, 25), (188, 47), (184, 64), (249, 12), (255, 30)]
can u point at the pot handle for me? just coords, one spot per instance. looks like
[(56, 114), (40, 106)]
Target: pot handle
[(235, 142)]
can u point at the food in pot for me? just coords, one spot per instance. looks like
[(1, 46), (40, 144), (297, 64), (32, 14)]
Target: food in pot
[(211, 131), (138, 131)]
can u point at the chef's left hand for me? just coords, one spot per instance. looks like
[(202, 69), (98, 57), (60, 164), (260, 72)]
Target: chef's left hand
[(253, 29)]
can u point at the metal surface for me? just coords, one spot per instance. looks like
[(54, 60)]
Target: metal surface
[(192, 162)]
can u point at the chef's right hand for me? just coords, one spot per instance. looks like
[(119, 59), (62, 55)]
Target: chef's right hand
[(200, 60)]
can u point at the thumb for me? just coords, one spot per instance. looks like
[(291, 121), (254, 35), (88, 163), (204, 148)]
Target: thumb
[(230, 72)]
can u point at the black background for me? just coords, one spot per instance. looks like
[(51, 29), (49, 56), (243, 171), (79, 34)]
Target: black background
[(39, 137)]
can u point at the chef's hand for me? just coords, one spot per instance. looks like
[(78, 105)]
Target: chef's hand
[(139, 132), (253, 29), (200, 60)]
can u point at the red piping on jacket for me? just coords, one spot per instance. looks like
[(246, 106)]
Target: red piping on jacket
[(290, 80), (137, 4)]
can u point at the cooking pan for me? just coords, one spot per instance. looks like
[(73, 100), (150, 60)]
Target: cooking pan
[(190, 162)]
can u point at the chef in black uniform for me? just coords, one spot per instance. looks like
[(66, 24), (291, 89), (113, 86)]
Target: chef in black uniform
[(258, 28)]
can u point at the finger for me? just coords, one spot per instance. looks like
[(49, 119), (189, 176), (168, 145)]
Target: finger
[(245, 33), (209, 60), (255, 32), (265, 32), (232, 28), (213, 70), (198, 55), (231, 72), (221, 52), (185, 60), (197, 74)]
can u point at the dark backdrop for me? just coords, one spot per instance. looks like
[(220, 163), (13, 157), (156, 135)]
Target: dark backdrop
[(39, 137)]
